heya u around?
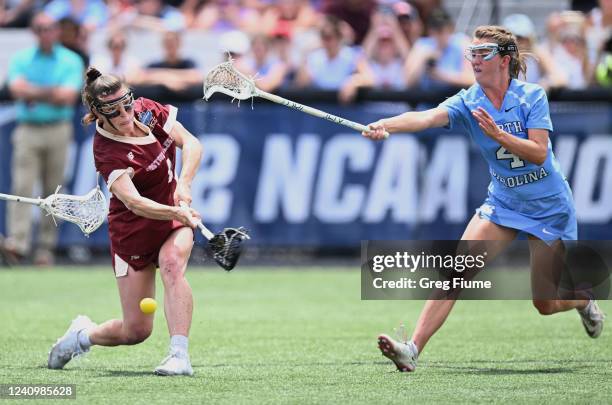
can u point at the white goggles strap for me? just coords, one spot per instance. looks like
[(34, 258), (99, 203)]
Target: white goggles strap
[(493, 48)]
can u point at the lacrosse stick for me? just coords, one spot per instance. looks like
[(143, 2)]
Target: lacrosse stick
[(224, 78), (226, 246), (88, 211)]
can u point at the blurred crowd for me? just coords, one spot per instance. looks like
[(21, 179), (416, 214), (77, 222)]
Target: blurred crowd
[(338, 45)]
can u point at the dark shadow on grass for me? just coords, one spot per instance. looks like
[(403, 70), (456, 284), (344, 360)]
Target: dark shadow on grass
[(456, 369), (546, 367), (85, 368), (511, 371), (525, 361), (284, 364), (45, 367), (126, 373), (546, 364)]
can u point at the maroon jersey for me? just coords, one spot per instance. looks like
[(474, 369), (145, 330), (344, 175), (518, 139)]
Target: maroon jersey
[(150, 162)]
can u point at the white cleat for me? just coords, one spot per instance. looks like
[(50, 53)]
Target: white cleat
[(592, 319), (404, 355), (176, 363), (67, 347)]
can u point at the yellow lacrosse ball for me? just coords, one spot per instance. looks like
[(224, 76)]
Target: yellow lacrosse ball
[(148, 305)]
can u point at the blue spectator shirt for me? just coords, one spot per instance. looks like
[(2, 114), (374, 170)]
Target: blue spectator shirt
[(451, 59), (172, 19), (61, 67), (524, 106), (94, 13), (330, 74)]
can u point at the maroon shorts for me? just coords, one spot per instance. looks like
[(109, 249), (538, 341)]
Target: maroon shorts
[(139, 261)]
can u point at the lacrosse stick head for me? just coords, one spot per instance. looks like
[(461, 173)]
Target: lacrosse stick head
[(227, 246), (224, 78), (87, 211)]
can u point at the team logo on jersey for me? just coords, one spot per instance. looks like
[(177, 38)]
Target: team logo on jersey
[(130, 156), (147, 118)]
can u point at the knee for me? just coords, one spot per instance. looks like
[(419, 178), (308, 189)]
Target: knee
[(544, 307), (138, 334), (171, 266)]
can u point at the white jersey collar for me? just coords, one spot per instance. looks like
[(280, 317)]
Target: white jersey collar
[(134, 140)]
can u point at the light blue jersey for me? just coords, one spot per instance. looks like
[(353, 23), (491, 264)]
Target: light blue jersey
[(522, 195), (524, 106)]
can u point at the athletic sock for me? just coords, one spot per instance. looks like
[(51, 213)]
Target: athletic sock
[(83, 338), (180, 343)]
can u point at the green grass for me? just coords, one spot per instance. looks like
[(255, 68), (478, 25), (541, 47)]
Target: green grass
[(282, 336)]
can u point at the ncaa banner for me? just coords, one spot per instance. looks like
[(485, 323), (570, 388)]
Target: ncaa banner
[(293, 179)]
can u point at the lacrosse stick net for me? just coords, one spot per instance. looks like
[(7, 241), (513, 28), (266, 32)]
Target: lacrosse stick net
[(227, 246), (224, 78), (88, 211)]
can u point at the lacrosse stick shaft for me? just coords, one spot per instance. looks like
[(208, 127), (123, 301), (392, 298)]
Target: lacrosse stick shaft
[(314, 111), (205, 231), (8, 197)]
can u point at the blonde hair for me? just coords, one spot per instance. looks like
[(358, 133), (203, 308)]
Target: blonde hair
[(503, 37), (97, 85)]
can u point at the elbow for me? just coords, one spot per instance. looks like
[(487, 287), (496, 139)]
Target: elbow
[(195, 149), (540, 159)]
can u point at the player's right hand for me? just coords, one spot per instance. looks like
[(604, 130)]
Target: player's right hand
[(376, 131), (188, 216)]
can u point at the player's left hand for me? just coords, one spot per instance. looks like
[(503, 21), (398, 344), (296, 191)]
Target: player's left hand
[(487, 124), (182, 193)]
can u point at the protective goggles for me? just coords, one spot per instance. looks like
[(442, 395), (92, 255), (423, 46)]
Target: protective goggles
[(488, 50), (111, 108)]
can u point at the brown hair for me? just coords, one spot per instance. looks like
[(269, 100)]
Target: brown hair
[(503, 37), (97, 85), (333, 24)]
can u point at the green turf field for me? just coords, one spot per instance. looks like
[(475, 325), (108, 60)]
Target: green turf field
[(283, 336)]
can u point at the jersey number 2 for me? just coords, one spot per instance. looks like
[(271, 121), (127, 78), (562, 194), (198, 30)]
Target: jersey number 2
[(502, 154)]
